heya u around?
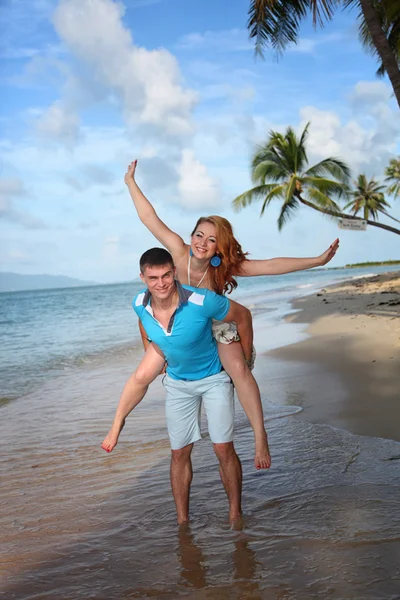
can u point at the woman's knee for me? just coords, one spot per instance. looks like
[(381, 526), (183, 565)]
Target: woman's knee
[(238, 368), (143, 375)]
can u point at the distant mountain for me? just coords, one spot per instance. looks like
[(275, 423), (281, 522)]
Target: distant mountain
[(14, 282)]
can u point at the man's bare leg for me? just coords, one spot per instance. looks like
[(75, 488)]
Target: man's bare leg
[(181, 478), (230, 470)]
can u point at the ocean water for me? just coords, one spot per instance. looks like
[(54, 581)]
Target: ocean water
[(323, 522), (44, 333)]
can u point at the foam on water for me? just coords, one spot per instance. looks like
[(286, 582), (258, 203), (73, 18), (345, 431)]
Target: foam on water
[(322, 523)]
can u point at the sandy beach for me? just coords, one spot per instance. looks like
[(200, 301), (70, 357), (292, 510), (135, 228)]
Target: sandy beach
[(354, 330), (323, 522)]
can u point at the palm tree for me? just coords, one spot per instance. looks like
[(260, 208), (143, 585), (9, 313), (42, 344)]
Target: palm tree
[(369, 199), (392, 173), (277, 22), (280, 171), (389, 15)]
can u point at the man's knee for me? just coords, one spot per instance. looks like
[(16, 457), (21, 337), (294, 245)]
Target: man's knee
[(224, 451), (182, 455)]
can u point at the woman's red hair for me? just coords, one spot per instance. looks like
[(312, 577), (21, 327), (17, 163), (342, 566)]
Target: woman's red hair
[(230, 252)]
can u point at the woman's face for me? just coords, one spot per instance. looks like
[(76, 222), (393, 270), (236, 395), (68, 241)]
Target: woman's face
[(204, 241)]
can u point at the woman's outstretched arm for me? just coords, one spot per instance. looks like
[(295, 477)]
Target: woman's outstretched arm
[(171, 240), (279, 266)]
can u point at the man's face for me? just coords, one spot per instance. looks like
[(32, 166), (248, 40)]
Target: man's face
[(160, 281)]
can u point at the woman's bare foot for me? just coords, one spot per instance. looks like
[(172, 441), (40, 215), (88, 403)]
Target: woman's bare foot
[(262, 459), (111, 439)]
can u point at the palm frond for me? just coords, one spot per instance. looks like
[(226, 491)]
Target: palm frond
[(392, 173), (276, 23), (332, 166), (286, 213), (328, 187), (268, 169), (277, 192), (390, 216), (322, 200), (255, 194)]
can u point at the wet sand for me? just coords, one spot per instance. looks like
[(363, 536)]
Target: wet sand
[(355, 335), (322, 523)]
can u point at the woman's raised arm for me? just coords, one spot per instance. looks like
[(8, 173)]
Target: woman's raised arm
[(279, 266), (169, 239)]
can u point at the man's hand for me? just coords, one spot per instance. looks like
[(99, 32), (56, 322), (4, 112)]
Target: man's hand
[(130, 174), (328, 254)]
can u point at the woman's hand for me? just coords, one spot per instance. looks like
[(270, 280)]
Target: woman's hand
[(130, 174), (328, 254)]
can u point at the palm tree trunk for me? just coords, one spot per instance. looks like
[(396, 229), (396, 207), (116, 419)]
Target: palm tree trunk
[(332, 213), (382, 45)]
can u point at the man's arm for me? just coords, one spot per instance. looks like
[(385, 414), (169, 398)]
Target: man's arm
[(279, 266), (244, 322)]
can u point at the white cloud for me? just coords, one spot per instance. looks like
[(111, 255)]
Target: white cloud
[(231, 40), (309, 45), (147, 83), (59, 123), (367, 140), (197, 189), (10, 190)]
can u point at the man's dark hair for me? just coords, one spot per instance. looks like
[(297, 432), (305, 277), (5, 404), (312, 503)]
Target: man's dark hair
[(155, 257)]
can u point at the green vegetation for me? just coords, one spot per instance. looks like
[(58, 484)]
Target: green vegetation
[(280, 171), (368, 198), (392, 173), (276, 23), (373, 264)]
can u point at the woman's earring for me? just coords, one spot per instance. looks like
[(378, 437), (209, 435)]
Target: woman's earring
[(215, 261), (190, 252)]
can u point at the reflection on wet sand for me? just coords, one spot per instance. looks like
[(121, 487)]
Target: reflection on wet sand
[(79, 523), (193, 565), (193, 571)]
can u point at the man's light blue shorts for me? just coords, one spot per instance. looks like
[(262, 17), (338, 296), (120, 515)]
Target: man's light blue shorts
[(183, 407)]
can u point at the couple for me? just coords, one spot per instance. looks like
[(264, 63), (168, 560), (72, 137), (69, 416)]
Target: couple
[(212, 260)]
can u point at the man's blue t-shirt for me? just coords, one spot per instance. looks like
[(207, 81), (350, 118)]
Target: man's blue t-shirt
[(188, 344)]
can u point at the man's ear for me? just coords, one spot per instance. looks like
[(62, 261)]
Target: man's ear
[(141, 276)]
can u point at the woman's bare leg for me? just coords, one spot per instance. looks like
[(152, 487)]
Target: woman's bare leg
[(135, 388), (247, 390)]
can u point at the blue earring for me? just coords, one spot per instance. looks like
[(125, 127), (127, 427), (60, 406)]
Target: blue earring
[(190, 252), (215, 261)]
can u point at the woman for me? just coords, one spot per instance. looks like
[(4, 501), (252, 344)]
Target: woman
[(212, 260)]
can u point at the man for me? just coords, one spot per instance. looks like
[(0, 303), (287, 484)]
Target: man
[(178, 320)]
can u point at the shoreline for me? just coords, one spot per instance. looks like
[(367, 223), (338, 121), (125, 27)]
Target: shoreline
[(346, 373)]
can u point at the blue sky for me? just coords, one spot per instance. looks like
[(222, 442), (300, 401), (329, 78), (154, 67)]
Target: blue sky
[(89, 85)]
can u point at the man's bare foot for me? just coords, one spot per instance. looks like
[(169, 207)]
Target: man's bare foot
[(236, 522), (111, 439), (262, 459)]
